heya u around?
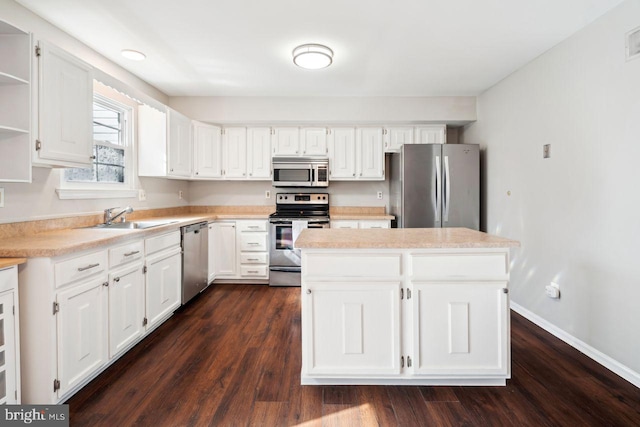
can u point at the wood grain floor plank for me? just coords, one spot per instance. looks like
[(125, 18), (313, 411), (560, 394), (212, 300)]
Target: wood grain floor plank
[(232, 357)]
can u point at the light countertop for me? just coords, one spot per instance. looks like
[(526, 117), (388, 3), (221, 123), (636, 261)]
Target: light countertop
[(400, 238), (63, 241), (10, 262)]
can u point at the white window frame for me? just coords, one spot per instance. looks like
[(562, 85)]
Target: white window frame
[(108, 190)]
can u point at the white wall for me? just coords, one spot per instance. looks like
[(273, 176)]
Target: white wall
[(328, 110), (253, 193), (576, 214), (38, 199)]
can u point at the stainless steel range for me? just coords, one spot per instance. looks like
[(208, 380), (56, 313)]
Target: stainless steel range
[(294, 212)]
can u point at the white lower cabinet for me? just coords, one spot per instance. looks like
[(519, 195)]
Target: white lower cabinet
[(9, 337), (239, 250), (126, 307), (101, 300), (459, 328), (419, 317), (355, 329), (362, 223), (162, 286), (222, 237), (81, 332)]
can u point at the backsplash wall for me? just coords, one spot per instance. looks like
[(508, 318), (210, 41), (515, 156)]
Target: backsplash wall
[(242, 193)]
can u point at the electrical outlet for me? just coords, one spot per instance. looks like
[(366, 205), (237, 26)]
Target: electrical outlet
[(142, 195), (552, 290), (1, 197), (180, 194), (379, 195), (546, 151), (267, 194)]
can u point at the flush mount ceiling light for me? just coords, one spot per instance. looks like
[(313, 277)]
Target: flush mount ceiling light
[(133, 54), (312, 56)]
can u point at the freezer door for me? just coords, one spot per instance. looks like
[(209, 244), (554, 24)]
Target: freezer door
[(422, 186), (461, 189)]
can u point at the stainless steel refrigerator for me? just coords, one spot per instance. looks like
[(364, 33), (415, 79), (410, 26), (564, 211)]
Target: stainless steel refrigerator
[(435, 185)]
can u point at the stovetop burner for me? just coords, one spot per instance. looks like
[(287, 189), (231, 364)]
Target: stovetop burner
[(313, 206)]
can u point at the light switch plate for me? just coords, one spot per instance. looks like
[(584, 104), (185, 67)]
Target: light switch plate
[(546, 151), (1, 197)]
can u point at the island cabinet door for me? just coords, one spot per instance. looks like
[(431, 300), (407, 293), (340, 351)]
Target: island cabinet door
[(354, 329), (460, 328)]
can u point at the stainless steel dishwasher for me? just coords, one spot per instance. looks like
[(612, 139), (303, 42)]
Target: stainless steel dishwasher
[(195, 253)]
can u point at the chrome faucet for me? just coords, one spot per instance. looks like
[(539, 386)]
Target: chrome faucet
[(109, 217)]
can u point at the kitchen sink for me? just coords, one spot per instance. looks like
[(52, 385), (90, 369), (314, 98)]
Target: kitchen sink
[(132, 225)]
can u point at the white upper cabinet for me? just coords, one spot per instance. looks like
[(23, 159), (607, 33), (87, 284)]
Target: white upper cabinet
[(235, 152), (15, 104), (152, 141), (259, 153), (314, 141), (370, 154), (286, 141), (179, 145), (342, 153), (207, 149), (431, 134), (396, 136), (65, 109)]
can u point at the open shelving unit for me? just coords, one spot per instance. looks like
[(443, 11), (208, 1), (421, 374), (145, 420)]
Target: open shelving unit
[(15, 104)]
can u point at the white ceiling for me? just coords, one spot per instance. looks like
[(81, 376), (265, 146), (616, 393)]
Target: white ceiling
[(382, 47)]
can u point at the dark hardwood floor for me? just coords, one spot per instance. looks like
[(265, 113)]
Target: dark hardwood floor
[(232, 358)]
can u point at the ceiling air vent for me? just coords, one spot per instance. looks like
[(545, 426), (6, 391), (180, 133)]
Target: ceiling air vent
[(633, 44)]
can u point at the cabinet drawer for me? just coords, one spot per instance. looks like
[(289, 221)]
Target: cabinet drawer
[(253, 242), (126, 253), (253, 258), (352, 265), (80, 267), (164, 241), (253, 271), (465, 265), (374, 224), (8, 278), (343, 223), (252, 226)]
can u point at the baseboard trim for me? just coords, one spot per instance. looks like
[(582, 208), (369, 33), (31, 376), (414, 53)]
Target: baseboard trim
[(606, 361)]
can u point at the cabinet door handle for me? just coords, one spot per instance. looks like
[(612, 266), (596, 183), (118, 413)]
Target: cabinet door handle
[(253, 259), (132, 253), (88, 267), (116, 279), (252, 271), (308, 291), (253, 243)]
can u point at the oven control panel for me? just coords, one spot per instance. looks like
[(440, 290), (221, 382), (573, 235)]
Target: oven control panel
[(302, 198)]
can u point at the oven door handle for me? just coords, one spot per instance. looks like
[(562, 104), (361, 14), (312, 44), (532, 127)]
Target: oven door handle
[(281, 223), (286, 269), (317, 225)]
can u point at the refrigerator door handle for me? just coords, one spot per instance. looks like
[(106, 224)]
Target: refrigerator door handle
[(437, 184), (447, 189)]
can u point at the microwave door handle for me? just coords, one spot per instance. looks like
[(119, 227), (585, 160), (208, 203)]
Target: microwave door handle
[(313, 173)]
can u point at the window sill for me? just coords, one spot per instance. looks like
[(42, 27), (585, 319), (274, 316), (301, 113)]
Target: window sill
[(76, 194)]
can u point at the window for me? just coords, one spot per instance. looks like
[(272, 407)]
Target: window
[(111, 174)]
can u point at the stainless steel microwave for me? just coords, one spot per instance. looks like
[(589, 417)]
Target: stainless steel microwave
[(300, 172)]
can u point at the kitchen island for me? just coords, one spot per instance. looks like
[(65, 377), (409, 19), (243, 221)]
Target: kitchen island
[(405, 307)]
